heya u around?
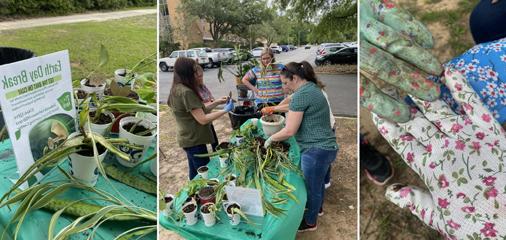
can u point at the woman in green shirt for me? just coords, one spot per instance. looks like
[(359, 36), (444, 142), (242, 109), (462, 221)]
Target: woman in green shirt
[(308, 120), (193, 117)]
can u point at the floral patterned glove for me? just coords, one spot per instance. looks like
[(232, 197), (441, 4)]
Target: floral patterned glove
[(461, 159), (393, 49)]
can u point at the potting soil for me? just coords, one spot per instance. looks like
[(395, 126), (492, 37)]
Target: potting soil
[(36, 223), (267, 227)]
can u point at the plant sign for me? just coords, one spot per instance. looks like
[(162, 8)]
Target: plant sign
[(249, 199), (37, 104)]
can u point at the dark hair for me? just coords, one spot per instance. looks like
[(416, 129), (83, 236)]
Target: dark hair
[(184, 73), (302, 69)]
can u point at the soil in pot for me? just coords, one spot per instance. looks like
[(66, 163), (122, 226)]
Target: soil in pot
[(212, 183), (89, 84), (231, 207), (205, 209), (168, 199), (206, 192), (231, 178), (189, 208), (139, 129), (102, 119), (223, 145), (88, 150), (202, 169), (81, 94), (270, 118), (131, 95)]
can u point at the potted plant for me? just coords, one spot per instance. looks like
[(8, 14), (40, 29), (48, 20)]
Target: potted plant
[(240, 68), (230, 179), (224, 160), (208, 212), (189, 211), (138, 132), (91, 85), (169, 199), (83, 165), (272, 123), (206, 194), (203, 171), (234, 213)]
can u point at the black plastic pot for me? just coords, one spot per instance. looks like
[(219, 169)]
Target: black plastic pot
[(241, 114), (10, 55)]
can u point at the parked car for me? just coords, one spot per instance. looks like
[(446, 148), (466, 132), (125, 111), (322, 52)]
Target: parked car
[(307, 46), (284, 48), (257, 52), (322, 46), (335, 55), (200, 56), (215, 58), (227, 54), (292, 47), (276, 49), (167, 63)]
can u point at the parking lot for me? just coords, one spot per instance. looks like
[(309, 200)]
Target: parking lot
[(341, 88)]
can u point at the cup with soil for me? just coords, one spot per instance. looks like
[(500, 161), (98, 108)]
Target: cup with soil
[(139, 132), (169, 199), (233, 216), (90, 87), (224, 146), (101, 124), (120, 77), (83, 165), (272, 124), (81, 95), (208, 213), (231, 180), (224, 160), (206, 194), (213, 182), (239, 139), (189, 211), (203, 171)]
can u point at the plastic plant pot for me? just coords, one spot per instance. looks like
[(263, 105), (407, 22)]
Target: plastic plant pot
[(206, 195), (99, 90), (190, 213), (239, 140), (213, 182), (241, 114), (103, 128), (83, 167), (203, 171), (169, 199), (208, 215), (272, 124), (136, 155), (231, 180), (223, 160), (234, 218)]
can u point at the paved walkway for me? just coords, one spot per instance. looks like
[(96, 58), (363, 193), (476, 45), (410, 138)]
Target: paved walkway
[(100, 16)]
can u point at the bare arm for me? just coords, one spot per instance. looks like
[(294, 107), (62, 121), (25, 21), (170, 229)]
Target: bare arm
[(292, 126), (204, 118), (213, 104), (283, 105), (246, 81)]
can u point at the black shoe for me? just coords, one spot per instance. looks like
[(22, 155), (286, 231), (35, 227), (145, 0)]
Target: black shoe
[(377, 167), (320, 213), (304, 227)]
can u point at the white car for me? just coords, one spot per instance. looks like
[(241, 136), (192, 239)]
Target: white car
[(214, 58), (257, 52), (276, 49), (167, 63)]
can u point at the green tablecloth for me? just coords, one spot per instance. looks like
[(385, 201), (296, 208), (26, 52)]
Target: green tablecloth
[(37, 222), (268, 227)]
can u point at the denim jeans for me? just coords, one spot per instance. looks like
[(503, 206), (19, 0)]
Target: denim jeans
[(195, 162), (315, 164)]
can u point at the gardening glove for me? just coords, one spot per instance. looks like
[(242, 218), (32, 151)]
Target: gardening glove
[(460, 157), (229, 106), (267, 110), (268, 142), (393, 50)]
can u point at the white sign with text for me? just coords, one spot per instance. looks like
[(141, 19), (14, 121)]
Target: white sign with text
[(249, 199)]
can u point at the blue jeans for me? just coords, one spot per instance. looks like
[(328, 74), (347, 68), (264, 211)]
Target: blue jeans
[(315, 164), (195, 162)]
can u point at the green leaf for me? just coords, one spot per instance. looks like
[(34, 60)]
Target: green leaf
[(104, 56)]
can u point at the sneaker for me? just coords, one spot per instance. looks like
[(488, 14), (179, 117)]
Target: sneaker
[(304, 227), (377, 167), (320, 213), (327, 185)]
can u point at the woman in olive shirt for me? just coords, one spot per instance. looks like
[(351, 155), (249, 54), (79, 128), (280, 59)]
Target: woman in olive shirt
[(193, 118), (308, 120)]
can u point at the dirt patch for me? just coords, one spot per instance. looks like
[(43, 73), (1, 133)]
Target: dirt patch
[(336, 69), (340, 218)]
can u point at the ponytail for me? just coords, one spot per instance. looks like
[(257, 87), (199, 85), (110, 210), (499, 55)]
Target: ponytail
[(303, 69)]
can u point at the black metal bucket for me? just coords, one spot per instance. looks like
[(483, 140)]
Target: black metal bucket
[(241, 114)]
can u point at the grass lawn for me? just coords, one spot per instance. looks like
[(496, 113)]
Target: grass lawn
[(128, 40)]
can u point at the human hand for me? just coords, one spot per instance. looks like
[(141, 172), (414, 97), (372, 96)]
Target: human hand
[(267, 110), (268, 142), (229, 106), (393, 49), (461, 160), (222, 100)]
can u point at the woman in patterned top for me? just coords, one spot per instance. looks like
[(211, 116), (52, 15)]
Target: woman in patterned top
[(264, 80), (308, 120)]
